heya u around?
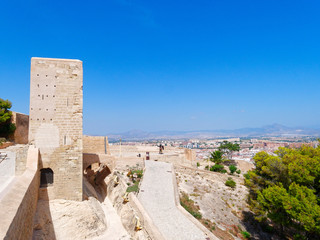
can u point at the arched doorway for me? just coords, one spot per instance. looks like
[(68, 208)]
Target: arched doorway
[(46, 177)]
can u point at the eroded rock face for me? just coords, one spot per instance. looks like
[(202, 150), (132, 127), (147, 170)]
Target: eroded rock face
[(65, 219)]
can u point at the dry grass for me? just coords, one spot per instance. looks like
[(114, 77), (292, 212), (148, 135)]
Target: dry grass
[(189, 205)]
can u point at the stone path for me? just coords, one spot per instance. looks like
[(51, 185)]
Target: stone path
[(115, 229), (7, 168), (157, 197)]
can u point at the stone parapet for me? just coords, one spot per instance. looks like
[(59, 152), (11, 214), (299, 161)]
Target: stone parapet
[(19, 201)]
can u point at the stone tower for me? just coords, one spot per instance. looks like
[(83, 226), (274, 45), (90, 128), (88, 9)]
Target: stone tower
[(56, 124)]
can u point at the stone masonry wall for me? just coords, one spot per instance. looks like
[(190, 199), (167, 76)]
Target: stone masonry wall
[(56, 101), (96, 144), (21, 121), (21, 151), (20, 201)]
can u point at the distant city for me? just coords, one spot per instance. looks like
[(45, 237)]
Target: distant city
[(248, 147)]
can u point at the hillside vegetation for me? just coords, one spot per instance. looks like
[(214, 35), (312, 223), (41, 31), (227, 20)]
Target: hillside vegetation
[(284, 191), (6, 127)]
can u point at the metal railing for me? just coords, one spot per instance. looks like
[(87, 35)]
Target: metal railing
[(3, 156)]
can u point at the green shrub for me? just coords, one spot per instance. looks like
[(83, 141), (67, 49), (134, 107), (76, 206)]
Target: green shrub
[(230, 183), (238, 171), (299, 237), (198, 164), (206, 167), (247, 176), (223, 171), (138, 172), (217, 168), (232, 169), (246, 234), (133, 188)]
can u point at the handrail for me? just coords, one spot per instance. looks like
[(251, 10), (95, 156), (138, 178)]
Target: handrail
[(3, 156)]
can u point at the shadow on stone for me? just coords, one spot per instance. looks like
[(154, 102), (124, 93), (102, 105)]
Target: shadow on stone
[(42, 223)]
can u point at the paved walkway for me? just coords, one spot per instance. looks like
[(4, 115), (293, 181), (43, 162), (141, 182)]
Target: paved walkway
[(115, 229), (7, 168), (157, 197)]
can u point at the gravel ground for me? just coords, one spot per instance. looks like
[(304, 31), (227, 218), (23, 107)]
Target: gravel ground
[(157, 197)]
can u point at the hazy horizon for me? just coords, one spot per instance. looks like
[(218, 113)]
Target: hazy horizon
[(199, 130)]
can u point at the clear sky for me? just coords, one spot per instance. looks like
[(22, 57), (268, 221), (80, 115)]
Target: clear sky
[(172, 65)]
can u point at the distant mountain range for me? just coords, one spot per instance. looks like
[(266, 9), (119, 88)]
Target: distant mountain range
[(274, 130)]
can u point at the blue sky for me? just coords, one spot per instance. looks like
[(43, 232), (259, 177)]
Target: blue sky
[(172, 65)]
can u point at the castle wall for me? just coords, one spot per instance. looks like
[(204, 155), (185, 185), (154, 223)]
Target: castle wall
[(56, 102), (21, 121), (96, 144), (19, 201)]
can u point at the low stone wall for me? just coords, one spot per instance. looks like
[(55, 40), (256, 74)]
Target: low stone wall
[(96, 144), (175, 158), (210, 235), (128, 211), (21, 121), (18, 201), (21, 152)]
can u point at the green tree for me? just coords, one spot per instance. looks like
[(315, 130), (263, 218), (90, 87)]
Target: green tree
[(6, 127), (216, 157), (228, 148), (285, 188)]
